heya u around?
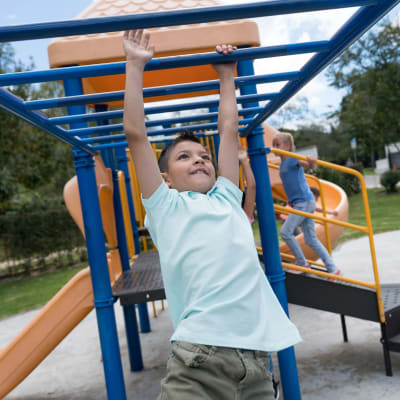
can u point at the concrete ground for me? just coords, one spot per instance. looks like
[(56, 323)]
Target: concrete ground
[(328, 368)]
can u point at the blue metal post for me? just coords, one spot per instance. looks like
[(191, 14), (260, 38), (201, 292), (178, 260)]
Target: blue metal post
[(269, 237), (103, 299), (122, 160), (131, 325)]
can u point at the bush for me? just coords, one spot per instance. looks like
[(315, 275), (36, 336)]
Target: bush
[(40, 233), (349, 183), (389, 180)]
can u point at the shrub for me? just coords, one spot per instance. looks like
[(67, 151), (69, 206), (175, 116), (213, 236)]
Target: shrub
[(349, 183), (389, 180)]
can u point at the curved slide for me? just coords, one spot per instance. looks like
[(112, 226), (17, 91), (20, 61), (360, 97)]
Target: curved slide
[(334, 196)]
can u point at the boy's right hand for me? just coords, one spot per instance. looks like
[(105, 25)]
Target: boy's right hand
[(136, 47)]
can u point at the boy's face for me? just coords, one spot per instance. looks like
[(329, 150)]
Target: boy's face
[(190, 168)]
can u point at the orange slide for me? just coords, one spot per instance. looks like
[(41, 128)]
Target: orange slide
[(60, 315)]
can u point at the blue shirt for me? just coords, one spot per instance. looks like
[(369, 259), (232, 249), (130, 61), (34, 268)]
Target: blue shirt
[(294, 181), (216, 290)]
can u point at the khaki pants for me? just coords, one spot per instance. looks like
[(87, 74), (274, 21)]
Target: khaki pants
[(197, 372)]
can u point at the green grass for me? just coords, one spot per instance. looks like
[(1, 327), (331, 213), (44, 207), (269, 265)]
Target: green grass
[(385, 213), (31, 292)]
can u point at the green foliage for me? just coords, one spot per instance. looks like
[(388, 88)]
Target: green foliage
[(370, 71), (389, 180), (349, 183), (30, 158), (27, 234)]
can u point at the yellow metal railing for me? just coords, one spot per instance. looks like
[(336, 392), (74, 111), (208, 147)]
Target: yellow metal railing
[(365, 229)]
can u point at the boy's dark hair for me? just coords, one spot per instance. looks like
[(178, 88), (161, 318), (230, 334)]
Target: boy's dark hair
[(183, 137), (315, 191)]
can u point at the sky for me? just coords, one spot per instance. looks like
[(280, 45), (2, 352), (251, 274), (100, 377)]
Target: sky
[(276, 30)]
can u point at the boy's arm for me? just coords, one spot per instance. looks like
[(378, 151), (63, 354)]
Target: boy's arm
[(138, 54), (228, 165), (250, 198)]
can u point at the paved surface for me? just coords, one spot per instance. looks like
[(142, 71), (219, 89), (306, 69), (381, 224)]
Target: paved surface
[(328, 368)]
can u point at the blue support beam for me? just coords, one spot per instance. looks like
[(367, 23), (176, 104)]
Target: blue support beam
[(171, 18), (269, 239), (103, 299)]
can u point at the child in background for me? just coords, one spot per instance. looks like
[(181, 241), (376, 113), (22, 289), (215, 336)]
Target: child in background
[(226, 317), (249, 195), (300, 198)]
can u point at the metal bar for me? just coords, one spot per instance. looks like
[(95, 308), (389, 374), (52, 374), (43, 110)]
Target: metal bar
[(103, 299), (119, 114), (115, 96), (15, 105), (188, 60), (359, 23), (170, 18)]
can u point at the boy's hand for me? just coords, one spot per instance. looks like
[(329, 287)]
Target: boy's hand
[(242, 153), (222, 68), (136, 47)]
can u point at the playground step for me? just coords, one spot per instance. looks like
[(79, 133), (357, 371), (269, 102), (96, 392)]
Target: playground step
[(391, 304), (142, 283), (338, 297)]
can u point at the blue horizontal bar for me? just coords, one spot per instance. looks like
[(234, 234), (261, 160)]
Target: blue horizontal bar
[(156, 91), (118, 114), (99, 98), (188, 60), (170, 18), (165, 131), (69, 119), (359, 23), (15, 105)]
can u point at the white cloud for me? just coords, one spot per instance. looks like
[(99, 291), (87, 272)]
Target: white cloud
[(11, 17)]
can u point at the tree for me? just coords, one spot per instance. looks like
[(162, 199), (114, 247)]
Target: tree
[(29, 158), (370, 71)]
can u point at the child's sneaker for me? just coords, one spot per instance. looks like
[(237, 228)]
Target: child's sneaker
[(297, 272), (338, 272), (275, 383)]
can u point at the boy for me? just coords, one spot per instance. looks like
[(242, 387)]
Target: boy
[(225, 315)]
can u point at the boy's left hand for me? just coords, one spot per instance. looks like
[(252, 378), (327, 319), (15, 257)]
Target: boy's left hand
[(221, 68)]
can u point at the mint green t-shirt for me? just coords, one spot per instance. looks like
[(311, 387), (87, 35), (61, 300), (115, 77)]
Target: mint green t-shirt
[(216, 290)]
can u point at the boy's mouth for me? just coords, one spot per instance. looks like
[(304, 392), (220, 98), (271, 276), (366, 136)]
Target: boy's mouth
[(200, 171)]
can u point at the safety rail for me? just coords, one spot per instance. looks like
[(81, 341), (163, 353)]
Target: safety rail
[(365, 229)]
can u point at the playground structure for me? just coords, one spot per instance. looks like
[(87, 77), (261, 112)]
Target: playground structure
[(106, 200)]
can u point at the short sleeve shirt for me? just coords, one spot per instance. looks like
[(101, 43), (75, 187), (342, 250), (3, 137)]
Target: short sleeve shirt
[(216, 290), (294, 181)]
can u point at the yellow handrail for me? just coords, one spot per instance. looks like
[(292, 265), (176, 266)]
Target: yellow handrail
[(367, 229)]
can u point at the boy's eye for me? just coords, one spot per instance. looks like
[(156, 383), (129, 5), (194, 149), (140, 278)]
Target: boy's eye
[(206, 157), (182, 156)]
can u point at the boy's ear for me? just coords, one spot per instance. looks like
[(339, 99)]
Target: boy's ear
[(166, 178)]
